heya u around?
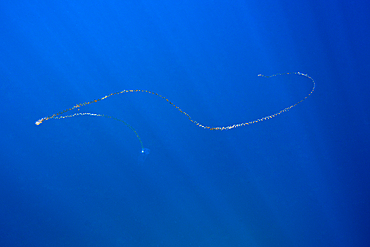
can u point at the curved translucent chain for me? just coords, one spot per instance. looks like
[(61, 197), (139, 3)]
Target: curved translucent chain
[(232, 126)]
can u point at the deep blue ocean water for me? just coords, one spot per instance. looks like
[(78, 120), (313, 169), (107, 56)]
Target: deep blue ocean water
[(300, 179)]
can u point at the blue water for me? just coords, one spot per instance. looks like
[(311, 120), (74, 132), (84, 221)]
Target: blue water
[(300, 179)]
